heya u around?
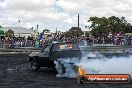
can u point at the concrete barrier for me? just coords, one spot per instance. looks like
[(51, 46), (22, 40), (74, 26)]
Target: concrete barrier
[(104, 49)]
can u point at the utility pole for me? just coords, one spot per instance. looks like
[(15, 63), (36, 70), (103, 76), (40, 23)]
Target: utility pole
[(37, 27), (78, 20), (56, 31)]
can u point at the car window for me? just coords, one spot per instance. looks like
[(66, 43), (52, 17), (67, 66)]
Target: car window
[(46, 49)]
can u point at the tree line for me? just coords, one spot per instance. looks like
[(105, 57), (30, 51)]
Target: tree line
[(102, 26)]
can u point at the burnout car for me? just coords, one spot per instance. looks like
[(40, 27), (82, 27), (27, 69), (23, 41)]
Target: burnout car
[(53, 52)]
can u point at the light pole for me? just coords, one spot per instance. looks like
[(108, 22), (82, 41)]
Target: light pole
[(78, 21), (37, 27)]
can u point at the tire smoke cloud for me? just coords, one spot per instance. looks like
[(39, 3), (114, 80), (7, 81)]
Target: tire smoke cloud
[(94, 64)]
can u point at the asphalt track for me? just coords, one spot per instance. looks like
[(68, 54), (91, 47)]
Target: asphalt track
[(15, 72)]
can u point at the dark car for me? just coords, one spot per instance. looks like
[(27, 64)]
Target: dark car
[(53, 52)]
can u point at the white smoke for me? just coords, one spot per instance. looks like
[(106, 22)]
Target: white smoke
[(115, 65), (68, 64), (95, 65)]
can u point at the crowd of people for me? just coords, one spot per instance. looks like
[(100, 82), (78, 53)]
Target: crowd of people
[(15, 43), (89, 40), (114, 39)]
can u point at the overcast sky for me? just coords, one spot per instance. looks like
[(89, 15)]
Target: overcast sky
[(60, 13)]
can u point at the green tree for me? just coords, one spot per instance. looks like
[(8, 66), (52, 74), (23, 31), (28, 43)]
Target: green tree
[(99, 25), (115, 23), (112, 24), (9, 33), (74, 31), (119, 24)]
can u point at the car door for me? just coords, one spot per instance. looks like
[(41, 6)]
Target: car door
[(45, 52), (44, 56)]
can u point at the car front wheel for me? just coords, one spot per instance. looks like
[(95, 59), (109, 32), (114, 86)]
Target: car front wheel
[(35, 66)]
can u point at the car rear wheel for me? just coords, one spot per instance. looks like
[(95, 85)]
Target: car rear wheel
[(35, 66)]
